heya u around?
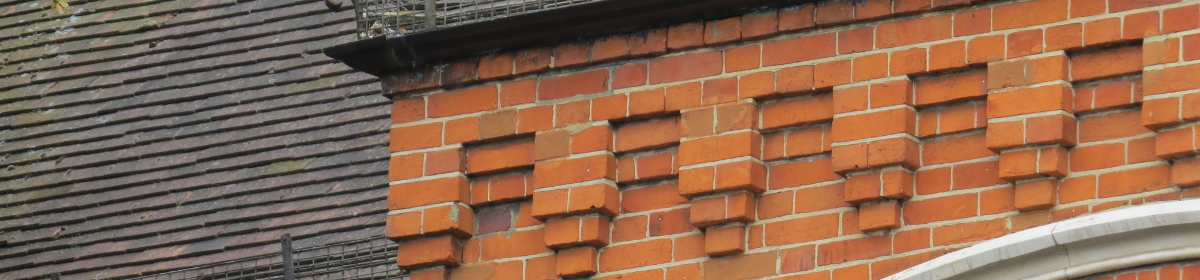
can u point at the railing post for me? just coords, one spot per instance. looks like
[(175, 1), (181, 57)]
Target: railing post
[(430, 14), (288, 267)]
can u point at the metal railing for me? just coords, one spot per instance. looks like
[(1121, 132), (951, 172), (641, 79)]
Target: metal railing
[(364, 259), (381, 17)]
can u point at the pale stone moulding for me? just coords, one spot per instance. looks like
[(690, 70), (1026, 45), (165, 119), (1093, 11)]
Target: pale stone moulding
[(1077, 247)]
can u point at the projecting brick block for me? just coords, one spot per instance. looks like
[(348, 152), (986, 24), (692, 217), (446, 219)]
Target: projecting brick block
[(444, 250), (879, 216), (1035, 195), (735, 207), (408, 195), (725, 240), (574, 262)]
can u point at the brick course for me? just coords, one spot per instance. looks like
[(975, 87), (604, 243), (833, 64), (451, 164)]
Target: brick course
[(838, 141)]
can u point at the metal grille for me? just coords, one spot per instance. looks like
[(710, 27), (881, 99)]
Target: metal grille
[(380, 17), (364, 259)]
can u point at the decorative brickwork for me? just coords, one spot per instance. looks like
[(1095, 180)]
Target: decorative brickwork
[(830, 141)]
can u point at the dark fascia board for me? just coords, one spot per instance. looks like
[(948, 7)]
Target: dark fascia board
[(398, 52)]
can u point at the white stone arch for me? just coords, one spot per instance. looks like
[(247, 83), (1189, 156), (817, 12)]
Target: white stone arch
[(1101, 242)]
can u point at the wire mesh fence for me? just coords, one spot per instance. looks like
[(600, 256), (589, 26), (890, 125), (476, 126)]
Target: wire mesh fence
[(364, 259), (381, 17)]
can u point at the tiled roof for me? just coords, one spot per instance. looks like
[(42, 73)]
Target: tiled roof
[(140, 136)]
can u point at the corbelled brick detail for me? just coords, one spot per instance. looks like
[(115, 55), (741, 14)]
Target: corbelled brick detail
[(835, 141)]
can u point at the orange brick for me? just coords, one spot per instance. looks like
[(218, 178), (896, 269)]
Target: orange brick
[(1035, 195), (471, 100), (1062, 37), (1030, 100), (1134, 181), (1106, 63), (685, 67), (720, 147), (862, 126), (633, 255), (985, 49), (725, 240), (797, 111), (499, 157), (802, 229), (1024, 43), (1017, 15), (854, 249), (879, 216), (819, 198), (907, 62), (1141, 25), (783, 51), (567, 171), (794, 79), (969, 232), (1102, 31), (940, 209), (870, 67), (947, 55), (409, 195), (444, 250), (914, 31), (579, 261)]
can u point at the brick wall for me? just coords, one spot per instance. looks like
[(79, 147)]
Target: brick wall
[(837, 141)]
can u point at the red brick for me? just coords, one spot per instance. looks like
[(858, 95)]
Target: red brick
[(1035, 195), (1106, 63), (569, 85), (1062, 37), (743, 58), (685, 36), (633, 255), (647, 135), (802, 229), (906, 62), (1112, 126), (1102, 31), (416, 137), (830, 74), (722, 30), (497, 124), (795, 79), (1186, 172), (533, 60), (940, 209), (428, 192), (870, 67), (609, 107), (403, 225), (854, 249), (948, 56), (653, 41), (572, 113), (610, 48), (862, 126), (1030, 100), (759, 24), (444, 161), (879, 216), (1024, 43), (648, 102), (757, 84), (476, 99), (802, 173), (719, 91), (914, 31), (784, 51), (740, 267), (951, 88), (972, 22), (946, 150), (591, 139), (797, 111), (629, 75), (835, 13), (567, 171), (1180, 19), (725, 240), (977, 175), (797, 17), (1134, 181), (685, 67), (856, 40), (405, 166), (572, 54), (518, 92), (969, 232), (496, 66), (719, 148), (1141, 25), (445, 250), (798, 259), (651, 198), (1030, 13), (985, 49), (1125, 5)]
